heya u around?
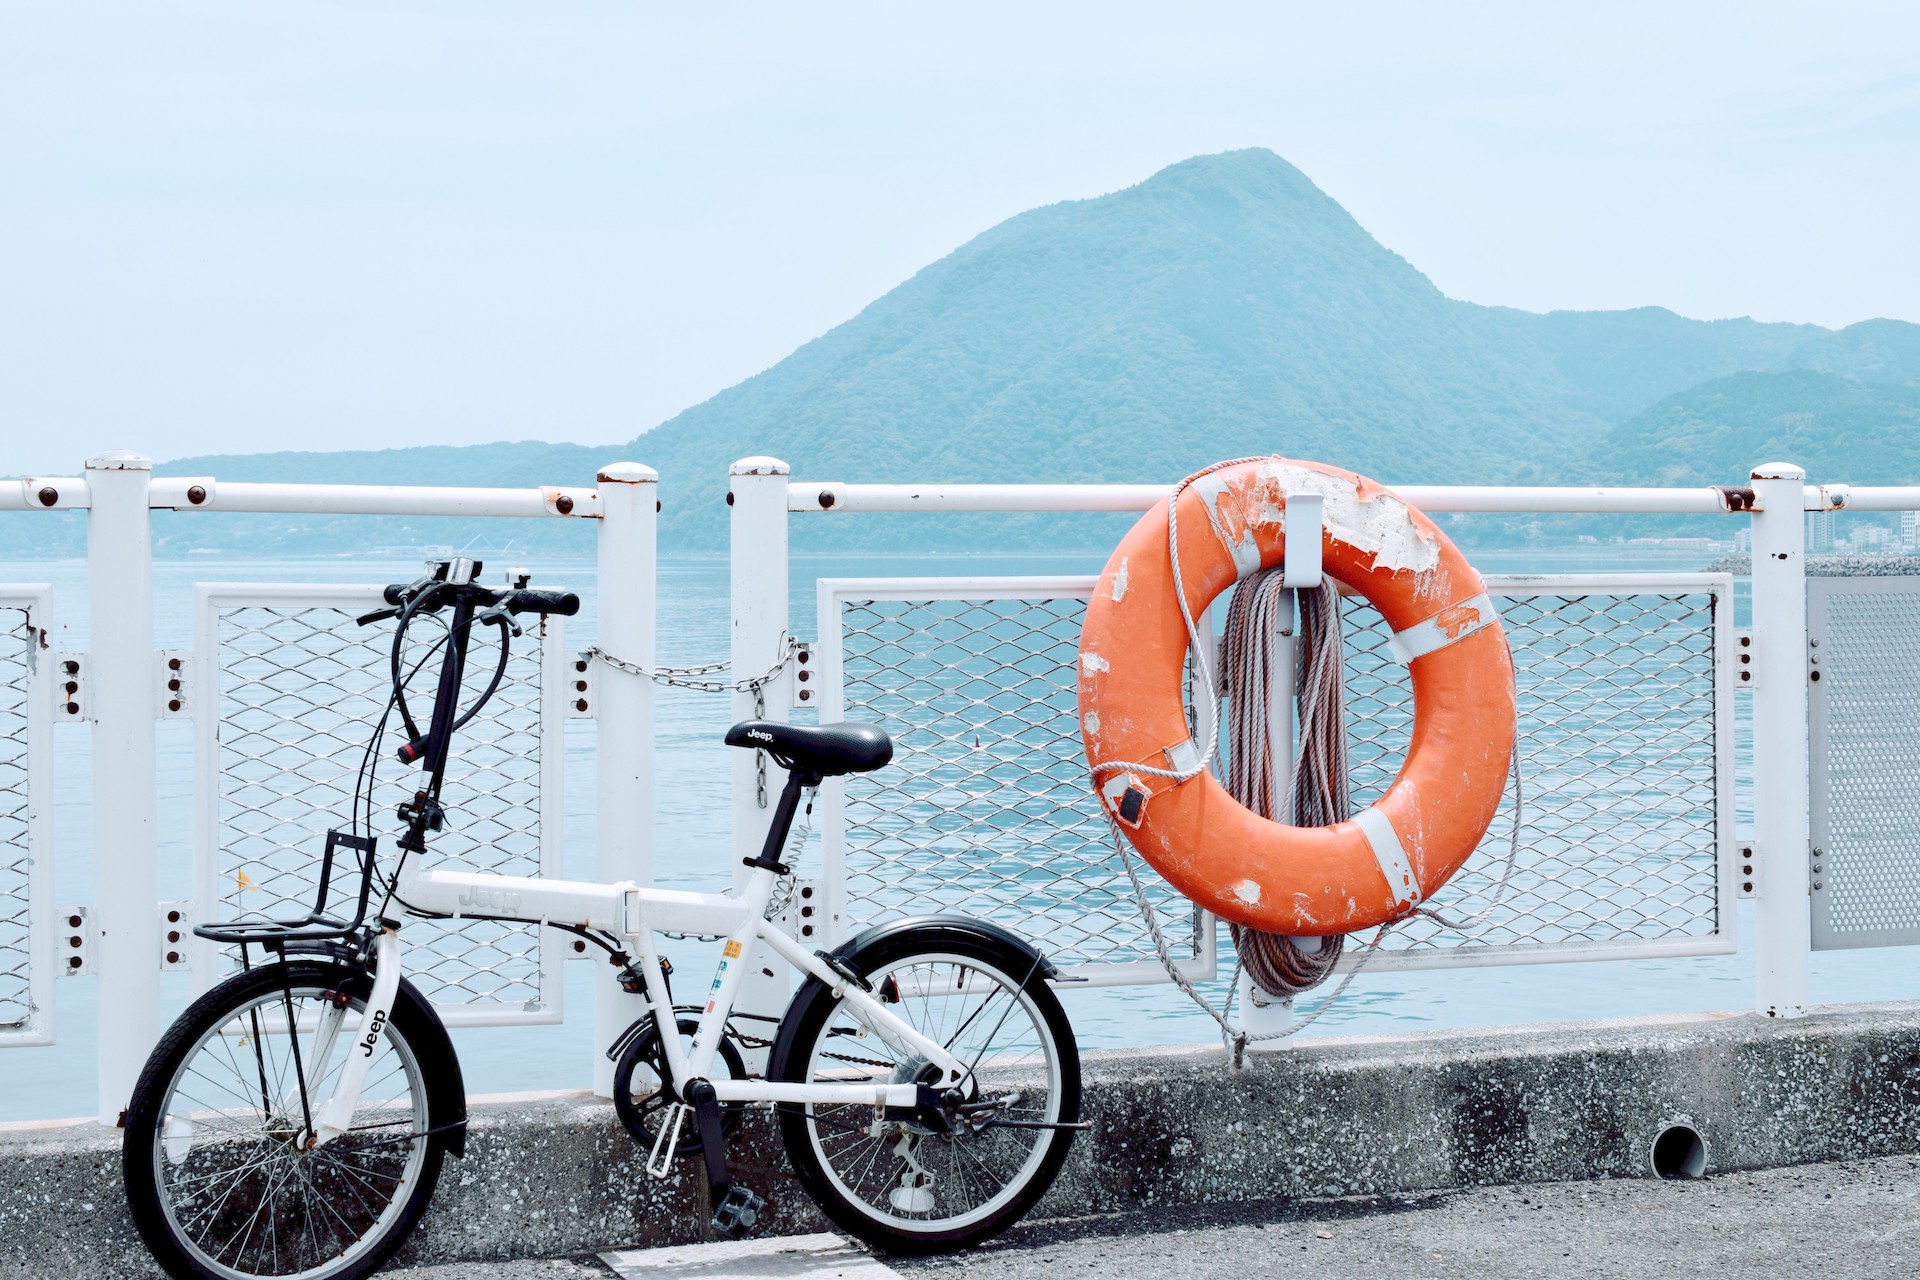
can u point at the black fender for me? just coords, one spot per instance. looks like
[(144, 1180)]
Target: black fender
[(985, 930), (1040, 969), (446, 1089)]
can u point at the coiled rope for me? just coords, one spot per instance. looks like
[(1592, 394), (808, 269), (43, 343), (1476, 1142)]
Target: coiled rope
[(1316, 785)]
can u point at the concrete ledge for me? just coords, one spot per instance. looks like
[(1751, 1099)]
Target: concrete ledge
[(553, 1173)]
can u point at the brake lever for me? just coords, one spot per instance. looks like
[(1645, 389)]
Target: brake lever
[(498, 613), (378, 615)]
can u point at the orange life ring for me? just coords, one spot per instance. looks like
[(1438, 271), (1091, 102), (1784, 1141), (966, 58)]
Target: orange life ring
[(1299, 881)]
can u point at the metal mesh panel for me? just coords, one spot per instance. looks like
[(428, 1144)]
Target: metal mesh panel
[(1617, 748), (16, 845), (986, 807), (988, 810), (300, 690), (1865, 760)]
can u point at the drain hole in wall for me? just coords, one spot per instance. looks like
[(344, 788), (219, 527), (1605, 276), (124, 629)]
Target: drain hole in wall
[(1679, 1152)]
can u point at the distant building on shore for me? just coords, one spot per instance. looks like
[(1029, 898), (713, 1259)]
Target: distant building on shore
[(1819, 532)]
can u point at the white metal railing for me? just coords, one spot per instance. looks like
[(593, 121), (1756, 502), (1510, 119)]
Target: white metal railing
[(1627, 847), (835, 496), (1667, 642), (256, 786), (1771, 663), (1864, 642)]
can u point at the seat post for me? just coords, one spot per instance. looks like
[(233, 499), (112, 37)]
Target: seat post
[(781, 827)]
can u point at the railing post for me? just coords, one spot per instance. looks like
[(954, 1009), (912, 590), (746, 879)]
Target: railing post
[(758, 558), (120, 664), (623, 715), (1781, 834)]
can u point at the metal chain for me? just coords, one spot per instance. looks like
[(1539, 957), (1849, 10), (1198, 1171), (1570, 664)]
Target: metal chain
[(796, 844), (700, 679), (759, 756)]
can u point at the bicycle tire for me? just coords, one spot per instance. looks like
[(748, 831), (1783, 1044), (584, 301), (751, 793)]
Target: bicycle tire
[(224, 1192), (976, 989)]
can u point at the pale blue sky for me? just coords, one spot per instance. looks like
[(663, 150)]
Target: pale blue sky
[(233, 225)]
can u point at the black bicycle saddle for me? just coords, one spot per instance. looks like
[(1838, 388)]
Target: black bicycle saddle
[(828, 750)]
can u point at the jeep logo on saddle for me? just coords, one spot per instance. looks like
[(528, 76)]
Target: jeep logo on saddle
[(760, 734)]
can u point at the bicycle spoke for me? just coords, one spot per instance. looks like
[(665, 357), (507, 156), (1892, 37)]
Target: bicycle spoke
[(961, 1178)]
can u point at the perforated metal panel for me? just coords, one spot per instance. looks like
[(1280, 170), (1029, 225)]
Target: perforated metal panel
[(298, 688), (985, 808), (26, 845), (1864, 760), (1625, 746)]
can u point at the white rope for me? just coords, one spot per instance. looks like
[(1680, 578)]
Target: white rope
[(1202, 659), (1236, 1037)]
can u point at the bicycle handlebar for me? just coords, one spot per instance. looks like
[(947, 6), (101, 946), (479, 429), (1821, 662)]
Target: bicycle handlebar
[(516, 600), (529, 600)]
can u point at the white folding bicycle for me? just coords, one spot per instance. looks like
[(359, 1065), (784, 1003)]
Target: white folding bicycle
[(293, 1121)]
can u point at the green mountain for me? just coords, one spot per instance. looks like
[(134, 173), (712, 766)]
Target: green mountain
[(1225, 306)]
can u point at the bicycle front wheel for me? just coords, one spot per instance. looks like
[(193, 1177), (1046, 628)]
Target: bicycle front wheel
[(221, 1183), (903, 1184)]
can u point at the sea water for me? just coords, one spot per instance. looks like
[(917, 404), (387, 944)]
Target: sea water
[(692, 848)]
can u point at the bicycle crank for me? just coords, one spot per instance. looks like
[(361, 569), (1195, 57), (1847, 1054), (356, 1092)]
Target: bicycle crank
[(735, 1208)]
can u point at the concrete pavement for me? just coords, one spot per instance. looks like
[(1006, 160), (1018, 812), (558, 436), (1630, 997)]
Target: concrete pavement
[(1847, 1220)]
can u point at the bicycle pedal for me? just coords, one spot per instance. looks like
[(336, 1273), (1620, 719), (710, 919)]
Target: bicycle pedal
[(737, 1211), (660, 1159)]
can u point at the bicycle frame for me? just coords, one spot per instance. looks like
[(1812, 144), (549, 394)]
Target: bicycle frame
[(623, 909), (638, 913)]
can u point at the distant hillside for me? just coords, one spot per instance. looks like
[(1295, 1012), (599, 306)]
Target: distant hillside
[(1619, 362), (1871, 351), (1225, 306), (1840, 429)]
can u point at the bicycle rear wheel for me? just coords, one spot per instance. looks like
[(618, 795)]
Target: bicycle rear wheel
[(217, 1178), (905, 1185)]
